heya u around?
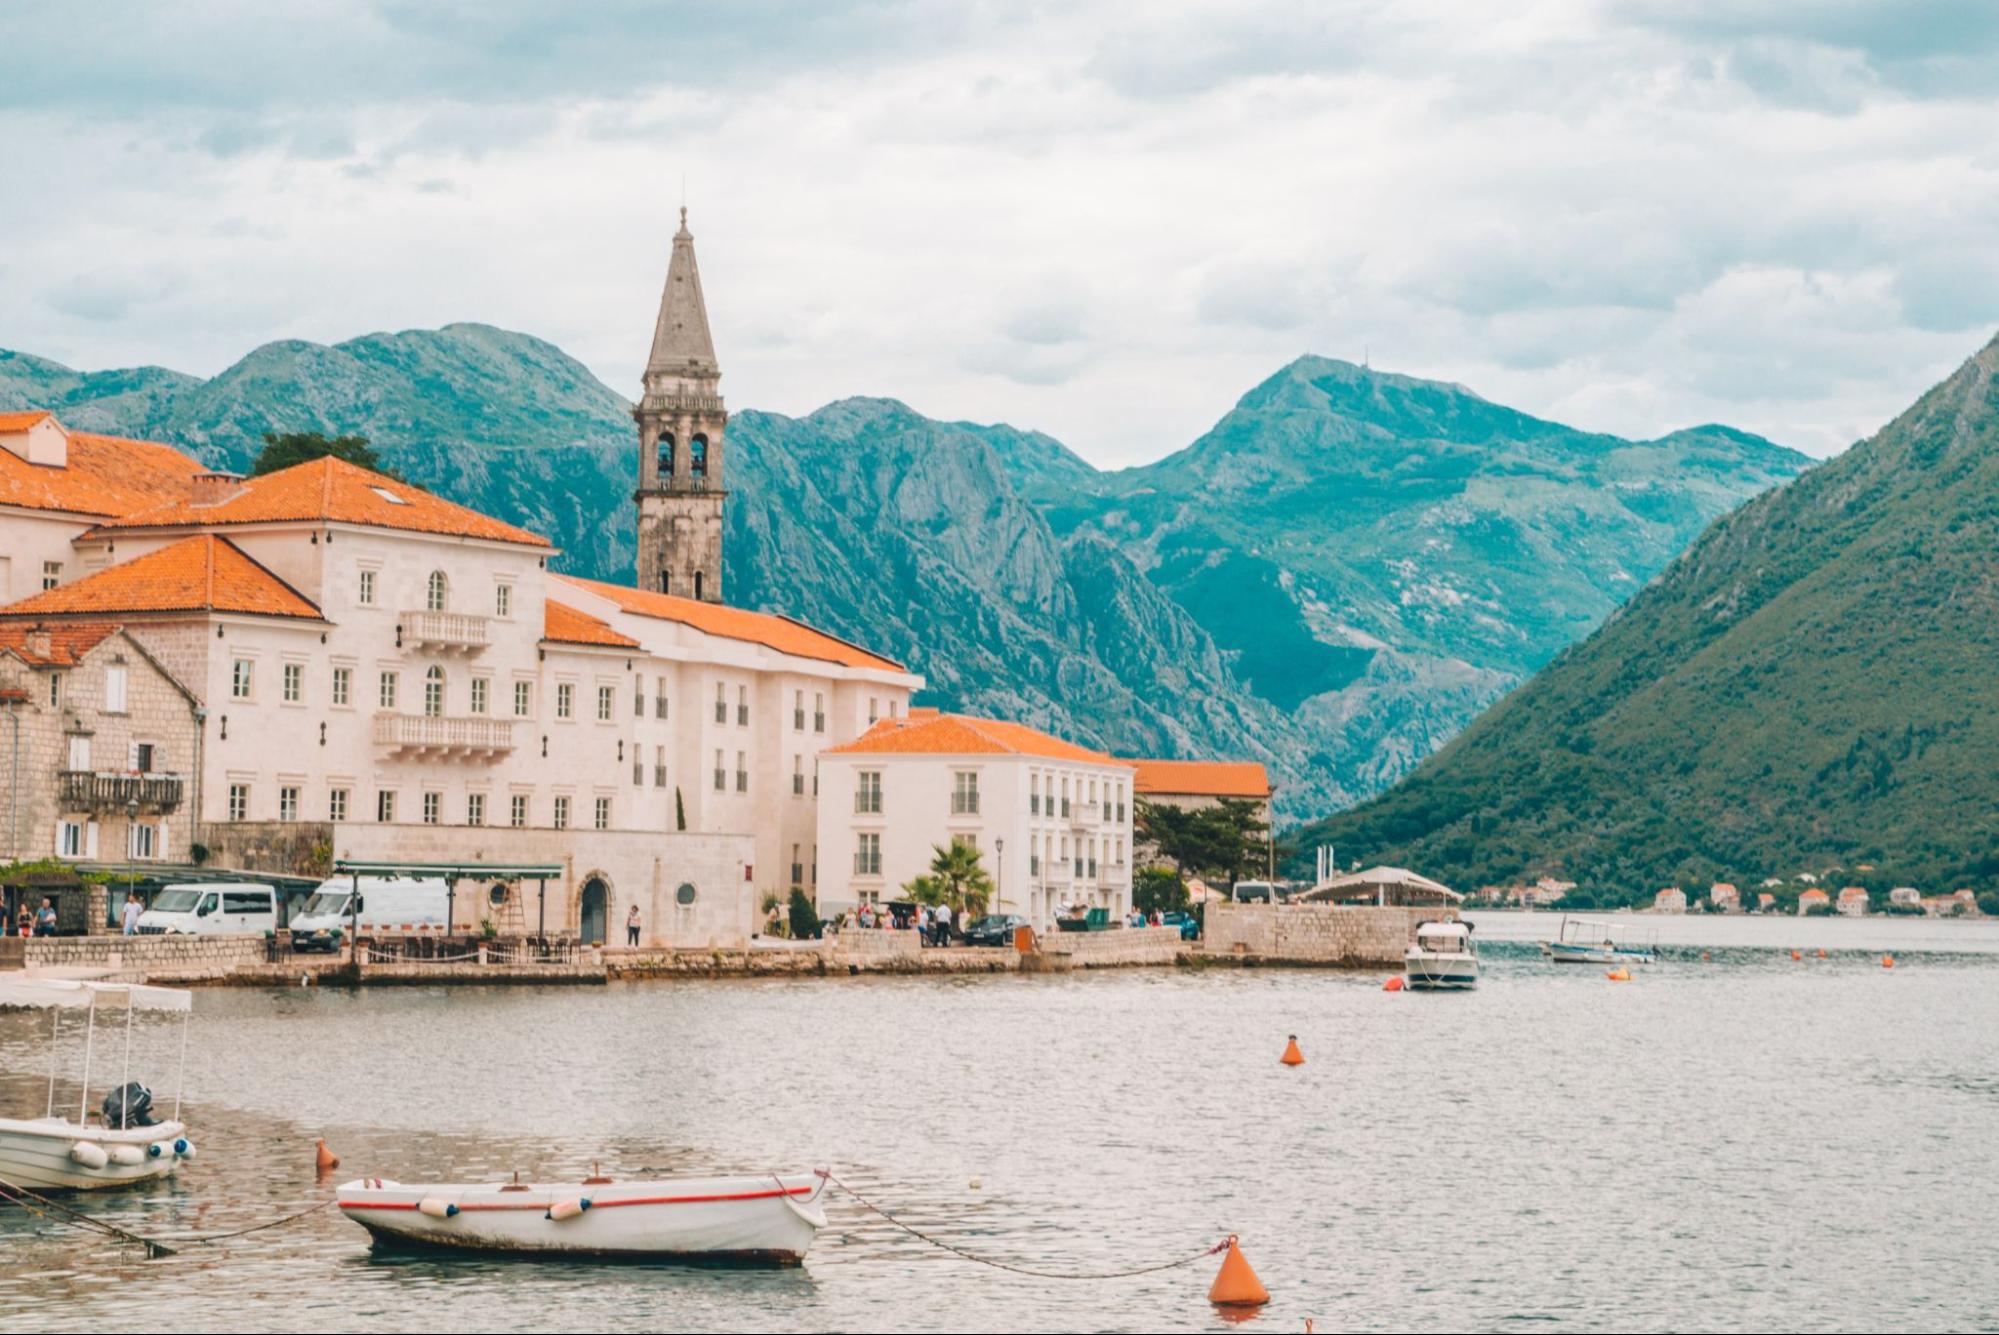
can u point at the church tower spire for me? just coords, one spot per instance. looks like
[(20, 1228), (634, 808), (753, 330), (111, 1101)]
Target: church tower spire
[(681, 419)]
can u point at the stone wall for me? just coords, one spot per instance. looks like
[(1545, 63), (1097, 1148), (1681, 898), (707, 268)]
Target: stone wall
[(846, 953), (1117, 948), (151, 959), (280, 848), (1325, 934)]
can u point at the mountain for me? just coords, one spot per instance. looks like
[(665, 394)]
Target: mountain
[(1333, 580), (1808, 686)]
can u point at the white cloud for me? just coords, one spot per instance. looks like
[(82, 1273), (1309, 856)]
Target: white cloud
[(1101, 222)]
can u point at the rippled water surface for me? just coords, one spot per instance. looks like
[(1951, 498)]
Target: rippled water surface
[(1745, 1142)]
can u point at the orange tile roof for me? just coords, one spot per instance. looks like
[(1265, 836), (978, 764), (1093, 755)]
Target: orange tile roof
[(104, 477), (734, 623), (201, 573), (1202, 778), (330, 490), (927, 732), (69, 641), (563, 624)]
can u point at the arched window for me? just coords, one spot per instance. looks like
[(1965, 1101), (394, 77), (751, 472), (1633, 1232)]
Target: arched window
[(438, 595), (433, 691), (666, 454), (697, 456)]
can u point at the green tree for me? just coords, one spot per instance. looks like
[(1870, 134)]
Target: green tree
[(957, 878), (289, 448), (1159, 888), (1226, 840), (803, 917)]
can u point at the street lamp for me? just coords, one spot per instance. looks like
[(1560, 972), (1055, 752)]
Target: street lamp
[(131, 845), (999, 880)]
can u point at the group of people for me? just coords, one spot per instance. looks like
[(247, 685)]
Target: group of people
[(935, 923), (40, 922)]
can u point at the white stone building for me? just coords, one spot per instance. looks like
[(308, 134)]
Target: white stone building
[(1051, 820)]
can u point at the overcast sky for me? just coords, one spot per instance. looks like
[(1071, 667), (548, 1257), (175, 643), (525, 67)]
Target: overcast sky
[(1104, 222)]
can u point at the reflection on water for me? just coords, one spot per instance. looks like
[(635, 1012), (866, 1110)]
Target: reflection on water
[(1743, 1142)]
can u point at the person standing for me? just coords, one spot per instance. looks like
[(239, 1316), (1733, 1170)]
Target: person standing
[(129, 915), (943, 924), (632, 926), (45, 918)]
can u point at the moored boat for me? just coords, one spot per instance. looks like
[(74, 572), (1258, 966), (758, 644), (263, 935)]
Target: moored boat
[(1581, 942), (770, 1219), (1441, 958)]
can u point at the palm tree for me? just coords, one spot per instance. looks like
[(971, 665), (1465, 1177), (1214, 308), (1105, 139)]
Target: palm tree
[(957, 878)]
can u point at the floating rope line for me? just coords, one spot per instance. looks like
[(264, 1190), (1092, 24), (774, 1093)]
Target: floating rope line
[(960, 1252), (42, 1206), (204, 1238)]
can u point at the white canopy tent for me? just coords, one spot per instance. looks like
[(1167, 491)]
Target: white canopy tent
[(1384, 887)]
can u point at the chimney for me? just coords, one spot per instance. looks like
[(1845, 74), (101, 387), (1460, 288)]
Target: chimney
[(41, 643), (215, 488)]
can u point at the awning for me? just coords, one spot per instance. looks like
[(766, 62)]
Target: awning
[(76, 994)]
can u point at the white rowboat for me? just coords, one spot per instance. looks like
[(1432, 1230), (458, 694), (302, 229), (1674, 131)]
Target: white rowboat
[(768, 1219)]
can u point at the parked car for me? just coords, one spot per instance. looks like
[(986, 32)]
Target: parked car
[(995, 929), (1189, 925)]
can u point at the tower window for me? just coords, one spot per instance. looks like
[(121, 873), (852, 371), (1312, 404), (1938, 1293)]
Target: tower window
[(697, 586), (697, 456), (666, 454), (666, 581)]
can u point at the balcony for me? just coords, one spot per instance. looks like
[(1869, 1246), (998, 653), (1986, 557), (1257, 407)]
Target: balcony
[(114, 790), (457, 632), (433, 735), (1086, 814)]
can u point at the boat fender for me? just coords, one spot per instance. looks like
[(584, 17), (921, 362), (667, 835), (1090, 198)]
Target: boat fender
[(127, 1156), (89, 1155), (568, 1209), (437, 1207), (159, 1149), (184, 1148)]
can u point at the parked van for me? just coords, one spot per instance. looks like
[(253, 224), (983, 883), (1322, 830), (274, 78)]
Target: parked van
[(213, 908), (388, 906)]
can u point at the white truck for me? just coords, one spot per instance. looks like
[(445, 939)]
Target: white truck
[(387, 906), (212, 908)]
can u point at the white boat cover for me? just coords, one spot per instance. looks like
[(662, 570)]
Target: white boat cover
[(81, 994)]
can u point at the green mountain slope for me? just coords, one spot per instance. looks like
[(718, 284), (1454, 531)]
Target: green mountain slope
[(1810, 685), (1334, 580)]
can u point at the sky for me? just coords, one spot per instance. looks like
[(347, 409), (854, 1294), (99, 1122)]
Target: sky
[(1107, 222)]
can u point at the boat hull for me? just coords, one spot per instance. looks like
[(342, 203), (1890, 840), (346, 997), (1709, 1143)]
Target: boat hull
[(1426, 972), (36, 1154), (768, 1220), (1564, 953)]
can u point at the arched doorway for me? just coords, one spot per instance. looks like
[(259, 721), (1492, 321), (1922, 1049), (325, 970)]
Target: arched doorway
[(596, 911)]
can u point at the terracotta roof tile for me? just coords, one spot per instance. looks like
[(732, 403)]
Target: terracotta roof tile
[(201, 573), (1203, 778), (68, 641), (926, 732), (734, 623), (563, 624), (105, 476), (330, 490)]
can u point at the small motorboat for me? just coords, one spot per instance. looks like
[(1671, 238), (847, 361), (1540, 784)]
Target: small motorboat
[(758, 1219), (1441, 958), (124, 1144), (1580, 942)]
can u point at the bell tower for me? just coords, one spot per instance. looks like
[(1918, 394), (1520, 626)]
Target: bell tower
[(681, 418)]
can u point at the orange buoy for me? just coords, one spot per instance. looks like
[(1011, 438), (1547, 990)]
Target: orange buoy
[(1292, 1057), (1236, 1285), (1887, 961), (1821, 952), (1705, 957), (1619, 975), (1797, 954), (326, 1158), (1393, 985)]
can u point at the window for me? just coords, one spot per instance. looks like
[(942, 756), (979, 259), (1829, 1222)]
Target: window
[(140, 842), (51, 574), (659, 767), (69, 839), (697, 456), (562, 813), (721, 777), (523, 698), (293, 686), (659, 700), (965, 793), (343, 686), (742, 772), (639, 695), (388, 690), (481, 688), (433, 691), (665, 456), (742, 706), (288, 802), (891, 708), (79, 750), (797, 868), (239, 801), (433, 807), (114, 688), (366, 596), (517, 810), (241, 678), (436, 593), (798, 711), (143, 754), (721, 703), (868, 792), (336, 804), (565, 699), (1034, 794), (503, 600), (798, 776), (868, 856), (602, 820), (818, 711), (385, 806), (55, 690), (607, 702), (475, 803)]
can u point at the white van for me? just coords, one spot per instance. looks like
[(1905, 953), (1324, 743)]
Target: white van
[(389, 906), (213, 908)]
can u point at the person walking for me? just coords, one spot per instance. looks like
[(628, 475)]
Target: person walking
[(943, 924), (632, 926), (129, 915)]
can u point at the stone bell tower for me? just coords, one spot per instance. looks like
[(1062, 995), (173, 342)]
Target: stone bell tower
[(680, 417)]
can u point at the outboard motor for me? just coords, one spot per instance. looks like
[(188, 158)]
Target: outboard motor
[(129, 1105)]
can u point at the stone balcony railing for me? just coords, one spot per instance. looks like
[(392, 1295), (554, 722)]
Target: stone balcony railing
[(103, 790), (432, 734), (1086, 815), (463, 631)]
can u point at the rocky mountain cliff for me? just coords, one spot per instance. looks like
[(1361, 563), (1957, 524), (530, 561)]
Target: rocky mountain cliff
[(1334, 580)]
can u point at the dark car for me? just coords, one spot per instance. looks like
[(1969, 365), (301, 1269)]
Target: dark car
[(995, 929), (1189, 925)]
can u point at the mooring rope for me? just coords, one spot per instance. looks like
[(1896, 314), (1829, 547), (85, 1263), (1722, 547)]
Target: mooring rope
[(14, 1194), (960, 1252)]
